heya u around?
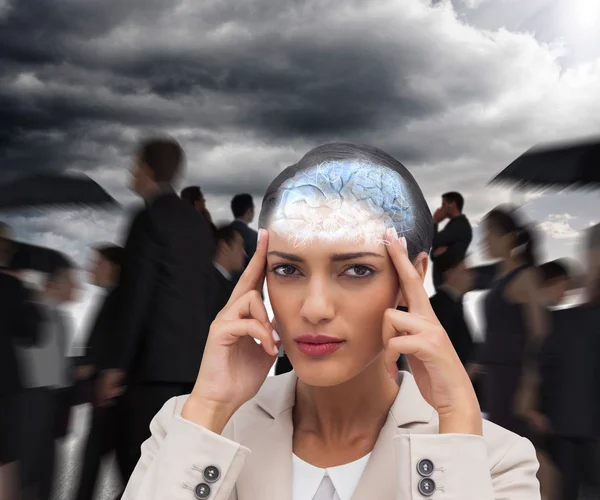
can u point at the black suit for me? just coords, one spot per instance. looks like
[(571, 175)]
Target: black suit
[(102, 432), (570, 396), (451, 314), (223, 289), (166, 283), (19, 325), (457, 236), (250, 237)]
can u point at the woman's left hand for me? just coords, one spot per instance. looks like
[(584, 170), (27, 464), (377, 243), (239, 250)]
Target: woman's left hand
[(437, 369)]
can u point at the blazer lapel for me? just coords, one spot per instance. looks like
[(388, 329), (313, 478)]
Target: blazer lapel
[(271, 444), (382, 473)]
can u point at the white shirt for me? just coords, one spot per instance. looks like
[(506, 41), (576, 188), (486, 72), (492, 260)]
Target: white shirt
[(334, 483), (45, 364), (226, 274)]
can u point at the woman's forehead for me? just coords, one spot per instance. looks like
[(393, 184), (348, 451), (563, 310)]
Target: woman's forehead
[(324, 246)]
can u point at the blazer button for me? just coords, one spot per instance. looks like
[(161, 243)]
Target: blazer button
[(426, 487), (202, 491), (425, 467), (211, 474)]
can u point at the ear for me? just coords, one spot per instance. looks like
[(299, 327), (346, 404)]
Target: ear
[(421, 264)]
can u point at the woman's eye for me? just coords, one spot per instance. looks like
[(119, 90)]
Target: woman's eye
[(358, 271), (284, 270)]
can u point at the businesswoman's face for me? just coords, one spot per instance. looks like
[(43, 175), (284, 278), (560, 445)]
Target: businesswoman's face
[(328, 297)]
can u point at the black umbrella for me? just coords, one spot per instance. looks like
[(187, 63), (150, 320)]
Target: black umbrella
[(41, 190), (36, 258), (575, 165)]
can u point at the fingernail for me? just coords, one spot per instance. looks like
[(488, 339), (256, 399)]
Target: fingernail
[(403, 242), (275, 350), (275, 336), (392, 233), (260, 233)]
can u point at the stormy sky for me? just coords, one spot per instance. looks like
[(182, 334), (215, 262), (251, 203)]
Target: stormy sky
[(454, 90)]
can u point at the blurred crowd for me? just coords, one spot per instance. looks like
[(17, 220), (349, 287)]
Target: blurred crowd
[(536, 372)]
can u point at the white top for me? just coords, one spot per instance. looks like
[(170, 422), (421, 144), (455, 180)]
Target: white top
[(45, 364), (226, 274), (334, 483)]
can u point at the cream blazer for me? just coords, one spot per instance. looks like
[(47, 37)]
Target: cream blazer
[(252, 459)]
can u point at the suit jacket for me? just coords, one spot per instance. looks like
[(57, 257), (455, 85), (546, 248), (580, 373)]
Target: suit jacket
[(254, 454), (165, 287), (101, 338), (250, 237), (222, 292), (19, 326), (456, 235), (570, 369), (451, 315)]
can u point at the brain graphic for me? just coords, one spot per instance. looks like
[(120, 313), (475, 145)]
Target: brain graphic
[(342, 200)]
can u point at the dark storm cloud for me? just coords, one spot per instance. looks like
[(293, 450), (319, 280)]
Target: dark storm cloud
[(58, 90)]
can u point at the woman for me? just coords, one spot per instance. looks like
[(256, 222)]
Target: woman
[(345, 235), (516, 322)]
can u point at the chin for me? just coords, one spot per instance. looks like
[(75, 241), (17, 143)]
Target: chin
[(324, 372)]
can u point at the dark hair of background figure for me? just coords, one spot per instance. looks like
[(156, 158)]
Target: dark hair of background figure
[(164, 156), (59, 268), (112, 253), (191, 194), (418, 239), (505, 221), (454, 197), (241, 203), (553, 270), (227, 234)]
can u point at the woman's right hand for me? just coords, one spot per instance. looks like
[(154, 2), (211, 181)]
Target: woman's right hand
[(234, 366)]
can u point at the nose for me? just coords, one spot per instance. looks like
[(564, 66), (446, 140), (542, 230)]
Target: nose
[(318, 305)]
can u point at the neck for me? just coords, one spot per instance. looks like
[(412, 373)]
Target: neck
[(510, 263), (453, 214), (358, 407), (456, 290), (223, 263), (153, 190)]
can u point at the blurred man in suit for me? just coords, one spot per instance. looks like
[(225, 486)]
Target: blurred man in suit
[(570, 380), (194, 196), (230, 257), (47, 378), (447, 303), (166, 285), (20, 319), (104, 272), (457, 234), (242, 206)]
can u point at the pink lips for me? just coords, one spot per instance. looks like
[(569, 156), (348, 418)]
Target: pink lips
[(318, 345)]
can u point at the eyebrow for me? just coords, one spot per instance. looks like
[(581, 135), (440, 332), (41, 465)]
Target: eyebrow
[(336, 257)]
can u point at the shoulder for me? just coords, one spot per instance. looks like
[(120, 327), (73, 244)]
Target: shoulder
[(275, 396), (505, 446)]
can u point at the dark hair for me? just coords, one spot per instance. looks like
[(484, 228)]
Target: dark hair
[(449, 260), (226, 234), (454, 197), (191, 194), (112, 253), (555, 269), (418, 237), (59, 267), (164, 156), (241, 203), (506, 222)]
